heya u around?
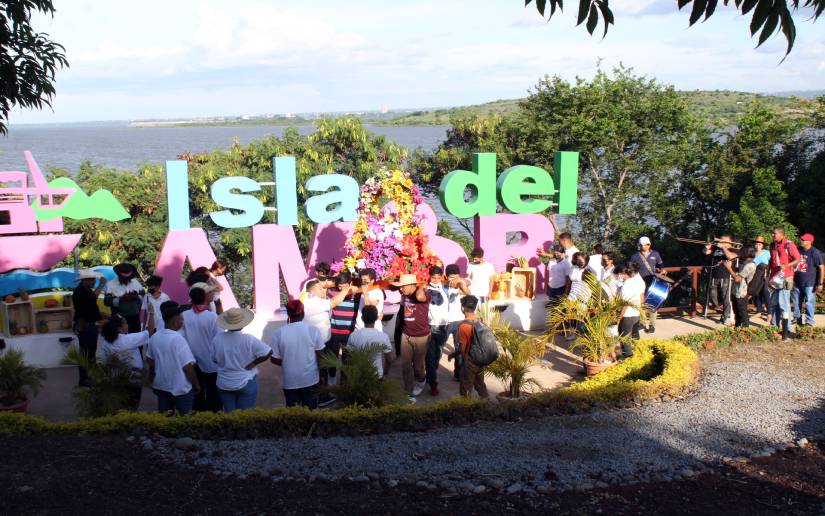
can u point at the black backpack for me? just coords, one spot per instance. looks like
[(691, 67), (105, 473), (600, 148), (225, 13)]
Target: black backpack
[(484, 349), (758, 282)]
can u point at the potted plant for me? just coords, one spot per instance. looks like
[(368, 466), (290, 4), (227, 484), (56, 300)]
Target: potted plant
[(17, 381), (519, 353), (593, 323)]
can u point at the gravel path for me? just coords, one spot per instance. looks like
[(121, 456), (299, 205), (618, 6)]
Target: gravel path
[(741, 409)]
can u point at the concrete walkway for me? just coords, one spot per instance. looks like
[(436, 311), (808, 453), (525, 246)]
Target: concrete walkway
[(559, 368)]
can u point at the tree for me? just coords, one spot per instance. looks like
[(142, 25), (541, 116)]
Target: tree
[(769, 16), (28, 59), (761, 208)]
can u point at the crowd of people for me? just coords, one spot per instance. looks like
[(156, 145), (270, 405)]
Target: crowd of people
[(199, 358)]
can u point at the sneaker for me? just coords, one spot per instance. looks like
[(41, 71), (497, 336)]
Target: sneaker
[(412, 400), (418, 388), (327, 400), (650, 329), (434, 389)]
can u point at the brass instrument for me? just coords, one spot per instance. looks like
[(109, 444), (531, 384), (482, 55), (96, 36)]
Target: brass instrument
[(715, 241)]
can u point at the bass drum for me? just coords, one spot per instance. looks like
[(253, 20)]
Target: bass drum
[(657, 294)]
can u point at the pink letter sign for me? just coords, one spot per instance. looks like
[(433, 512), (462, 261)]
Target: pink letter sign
[(491, 235)]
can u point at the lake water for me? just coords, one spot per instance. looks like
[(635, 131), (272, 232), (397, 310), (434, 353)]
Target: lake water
[(121, 146)]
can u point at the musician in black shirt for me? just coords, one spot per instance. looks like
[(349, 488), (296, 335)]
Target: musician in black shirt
[(720, 279), (86, 316)]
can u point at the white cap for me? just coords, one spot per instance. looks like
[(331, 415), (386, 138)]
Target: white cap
[(644, 241)]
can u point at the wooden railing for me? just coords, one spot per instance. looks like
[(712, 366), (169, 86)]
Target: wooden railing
[(677, 273)]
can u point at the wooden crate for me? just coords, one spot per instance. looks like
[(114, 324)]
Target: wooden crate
[(523, 285), (21, 313), (56, 319)]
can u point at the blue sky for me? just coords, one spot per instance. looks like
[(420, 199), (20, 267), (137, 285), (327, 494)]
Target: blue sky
[(165, 59)]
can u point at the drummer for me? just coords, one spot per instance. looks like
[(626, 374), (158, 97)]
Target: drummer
[(649, 262)]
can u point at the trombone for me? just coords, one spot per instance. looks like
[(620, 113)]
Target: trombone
[(715, 241)]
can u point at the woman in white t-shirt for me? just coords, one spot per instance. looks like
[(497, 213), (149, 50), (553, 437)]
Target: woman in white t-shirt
[(116, 341), (218, 269), (632, 291), (238, 355)]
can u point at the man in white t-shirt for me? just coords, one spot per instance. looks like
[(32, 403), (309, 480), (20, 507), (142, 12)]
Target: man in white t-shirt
[(296, 347), (318, 307), (172, 364), (566, 241), (200, 325), (124, 295), (594, 262), (457, 288), (369, 335), (154, 297), (480, 273), (371, 295)]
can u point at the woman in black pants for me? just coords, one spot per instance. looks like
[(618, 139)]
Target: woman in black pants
[(86, 316), (632, 291)]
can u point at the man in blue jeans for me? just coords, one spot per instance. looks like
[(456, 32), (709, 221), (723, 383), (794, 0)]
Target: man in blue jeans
[(438, 316), (807, 280), (784, 259)]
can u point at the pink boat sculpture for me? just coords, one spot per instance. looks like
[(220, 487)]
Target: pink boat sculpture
[(25, 250)]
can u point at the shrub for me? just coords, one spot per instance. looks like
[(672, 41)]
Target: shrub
[(656, 369), (360, 383), (520, 353), (17, 379), (109, 390)]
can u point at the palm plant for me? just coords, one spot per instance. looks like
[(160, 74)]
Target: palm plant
[(519, 354), (18, 379), (360, 383), (590, 320), (110, 385)]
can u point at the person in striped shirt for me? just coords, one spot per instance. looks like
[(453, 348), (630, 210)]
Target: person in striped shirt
[(344, 305)]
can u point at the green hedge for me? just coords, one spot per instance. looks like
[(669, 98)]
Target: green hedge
[(657, 369), (726, 337)]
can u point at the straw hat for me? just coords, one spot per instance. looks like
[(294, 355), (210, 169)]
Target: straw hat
[(87, 274), (235, 318), (406, 279)]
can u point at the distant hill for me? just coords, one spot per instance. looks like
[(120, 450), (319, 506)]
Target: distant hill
[(721, 106)]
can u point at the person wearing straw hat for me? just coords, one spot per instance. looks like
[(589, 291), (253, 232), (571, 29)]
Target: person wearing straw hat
[(415, 308), (171, 364), (297, 347), (86, 316), (199, 329), (237, 356), (125, 295)]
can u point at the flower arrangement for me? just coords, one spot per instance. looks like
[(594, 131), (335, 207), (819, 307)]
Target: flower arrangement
[(388, 235)]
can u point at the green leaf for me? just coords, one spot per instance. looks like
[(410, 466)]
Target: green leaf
[(584, 7), (711, 8), (747, 5), (698, 11), (759, 16), (769, 28), (540, 5), (789, 29), (592, 19)]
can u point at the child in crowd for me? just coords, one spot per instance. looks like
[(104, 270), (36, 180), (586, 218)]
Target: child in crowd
[(740, 286), (480, 273), (632, 291), (117, 341), (297, 347), (371, 295), (172, 364), (152, 301), (438, 319), (199, 329), (219, 268), (370, 335), (457, 288), (472, 375), (237, 356)]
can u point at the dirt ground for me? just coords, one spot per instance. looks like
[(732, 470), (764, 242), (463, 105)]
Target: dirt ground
[(107, 475)]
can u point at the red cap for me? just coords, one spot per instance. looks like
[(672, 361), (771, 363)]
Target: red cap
[(807, 236)]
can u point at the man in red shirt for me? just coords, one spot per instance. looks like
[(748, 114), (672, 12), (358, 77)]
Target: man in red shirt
[(784, 258), (415, 308)]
